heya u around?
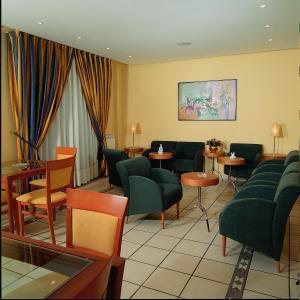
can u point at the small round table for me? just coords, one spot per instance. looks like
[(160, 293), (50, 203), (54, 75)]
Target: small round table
[(200, 180), (160, 156), (226, 160), (213, 156), (133, 150), (277, 156)]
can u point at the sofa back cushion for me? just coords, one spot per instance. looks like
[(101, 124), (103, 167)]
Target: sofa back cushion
[(187, 150), (139, 166), (168, 146), (291, 157), (248, 151)]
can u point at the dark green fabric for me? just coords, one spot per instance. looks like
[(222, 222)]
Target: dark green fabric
[(266, 176), (293, 156), (148, 190), (187, 150), (168, 146), (113, 156), (251, 153), (256, 191), (277, 168), (260, 182)]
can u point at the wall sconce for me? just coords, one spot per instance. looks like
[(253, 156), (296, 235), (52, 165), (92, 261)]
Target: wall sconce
[(276, 132)]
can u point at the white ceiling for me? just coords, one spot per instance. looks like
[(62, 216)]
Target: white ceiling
[(148, 30)]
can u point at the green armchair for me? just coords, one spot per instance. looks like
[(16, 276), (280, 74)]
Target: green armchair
[(148, 189), (258, 215), (112, 156)]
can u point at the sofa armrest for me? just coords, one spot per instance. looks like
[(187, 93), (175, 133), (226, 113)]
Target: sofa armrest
[(163, 176), (256, 191), (198, 161), (145, 195), (269, 168), (272, 176)]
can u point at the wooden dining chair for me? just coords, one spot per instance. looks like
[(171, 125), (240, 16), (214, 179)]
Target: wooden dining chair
[(59, 176), (95, 221), (4, 199), (61, 153)]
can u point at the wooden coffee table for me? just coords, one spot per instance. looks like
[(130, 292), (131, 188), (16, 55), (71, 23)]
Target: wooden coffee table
[(200, 180), (133, 150), (160, 156), (226, 160)]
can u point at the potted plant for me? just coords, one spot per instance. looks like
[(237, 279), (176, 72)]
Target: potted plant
[(213, 144)]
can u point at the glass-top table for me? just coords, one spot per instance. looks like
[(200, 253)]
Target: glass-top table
[(31, 271)]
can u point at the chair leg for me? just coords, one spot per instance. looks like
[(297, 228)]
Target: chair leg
[(126, 220), (177, 206), (51, 228), (277, 265), (163, 219), (54, 214), (223, 245), (21, 219)]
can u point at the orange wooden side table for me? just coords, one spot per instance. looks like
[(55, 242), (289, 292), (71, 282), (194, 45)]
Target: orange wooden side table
[(133, 150), (200, 180), (277, 156), (160, 156)]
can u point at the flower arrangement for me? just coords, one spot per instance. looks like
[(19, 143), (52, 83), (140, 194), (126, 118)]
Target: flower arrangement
[(213, 143)]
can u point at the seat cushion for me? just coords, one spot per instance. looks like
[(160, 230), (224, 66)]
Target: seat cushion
[(172, 193), (39, 197), (4, 196), (38, 182)]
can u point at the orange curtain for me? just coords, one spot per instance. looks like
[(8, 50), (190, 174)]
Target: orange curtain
[(95, 74), (38, 70)]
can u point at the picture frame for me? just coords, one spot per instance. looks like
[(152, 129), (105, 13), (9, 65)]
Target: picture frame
[(212, 100)]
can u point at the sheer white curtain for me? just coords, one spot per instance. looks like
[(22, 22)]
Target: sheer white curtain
[(72, 127)]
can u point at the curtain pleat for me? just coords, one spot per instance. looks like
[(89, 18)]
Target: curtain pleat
[(38, 70), (95, 75)]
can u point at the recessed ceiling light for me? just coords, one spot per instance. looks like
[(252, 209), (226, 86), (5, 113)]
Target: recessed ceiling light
[(79, 37), (267, 26), (263, 6), (183, 43), (270, 40), (107, 48), (40, 23), (129, 56)]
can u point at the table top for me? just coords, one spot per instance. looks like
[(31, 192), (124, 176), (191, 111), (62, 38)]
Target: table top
[(164, 155), (35, 269), (199, 179), (134, 149), (210, 154), (226, 160), (16, 166), (279, 156)]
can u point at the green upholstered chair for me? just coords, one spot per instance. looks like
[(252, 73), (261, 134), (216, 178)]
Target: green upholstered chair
[(112, 156), (258, 215), (148, 189), (251, 153)]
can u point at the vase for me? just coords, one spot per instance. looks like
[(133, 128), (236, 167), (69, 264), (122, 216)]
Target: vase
[(213, 149)]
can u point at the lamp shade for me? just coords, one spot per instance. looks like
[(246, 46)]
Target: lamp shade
[(277, 130), (133, 128)]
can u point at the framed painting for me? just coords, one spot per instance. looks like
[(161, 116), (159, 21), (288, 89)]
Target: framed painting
[(207, 100)]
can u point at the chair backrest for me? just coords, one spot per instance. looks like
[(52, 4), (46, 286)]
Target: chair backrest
[(293, 167), (112, 156), (168, 146), (188, 150), (59, 174), (248, 151), (139, 166), (95, 221), (65, 152), (291, 157)]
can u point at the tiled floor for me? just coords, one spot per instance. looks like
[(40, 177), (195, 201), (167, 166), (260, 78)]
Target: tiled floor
[(184, 260)]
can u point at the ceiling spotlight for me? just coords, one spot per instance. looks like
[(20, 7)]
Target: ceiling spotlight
[(267, 26), (107, 48), (129, 56), (263, 6), (79, 37), (40, 23), (183, 43), (270, 40)]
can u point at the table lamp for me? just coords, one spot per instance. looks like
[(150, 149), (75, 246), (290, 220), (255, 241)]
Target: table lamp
[(133, 131), (276, 132)]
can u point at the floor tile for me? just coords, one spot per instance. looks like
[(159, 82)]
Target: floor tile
[(191, 248), (150, 225), (128, 248), (215, 253), (136, 236), (200, 288), (167, 281), (163, 242), (146, 293), (20, 267), (214, 270), (180, 262), (8, 277), (128, 289), (267, 283), (253, 295), (229, 242), (5, 260), (15, 285), (137, 272), (199, 232), (150, 255)]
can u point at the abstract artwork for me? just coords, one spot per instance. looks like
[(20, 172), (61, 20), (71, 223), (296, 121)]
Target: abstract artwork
[(207, 100)]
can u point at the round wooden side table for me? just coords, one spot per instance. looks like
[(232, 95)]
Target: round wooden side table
[(277, 156), (199, 180), (133, 150), (226, 160), (160, 156)]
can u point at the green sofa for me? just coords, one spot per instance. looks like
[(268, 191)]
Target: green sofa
[(258, 215), (187, 156), (112, 156), (148, 189)]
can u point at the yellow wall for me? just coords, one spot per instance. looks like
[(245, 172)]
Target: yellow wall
[(268, 90), (8, 141)]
